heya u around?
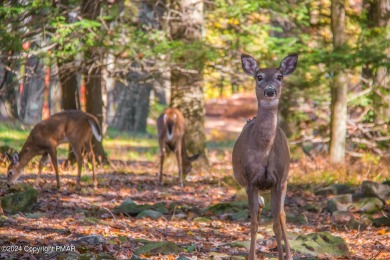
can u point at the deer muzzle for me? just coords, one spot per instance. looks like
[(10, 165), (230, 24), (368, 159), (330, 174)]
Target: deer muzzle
[(270, 91)]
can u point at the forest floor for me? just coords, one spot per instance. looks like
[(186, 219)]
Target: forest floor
[(87, 219)]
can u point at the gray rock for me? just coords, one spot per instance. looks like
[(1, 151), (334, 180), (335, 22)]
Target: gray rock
[(341, 217), (369, 205), (153, 214), (344, 219), (381, 222), (296, 219), (312, 208), (374, 189), (20, 201), (334, 189), (244, 244), (241, 215), (339, 203), (91, 240)]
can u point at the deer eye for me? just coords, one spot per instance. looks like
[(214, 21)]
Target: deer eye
[(260, 78), (280, 77)]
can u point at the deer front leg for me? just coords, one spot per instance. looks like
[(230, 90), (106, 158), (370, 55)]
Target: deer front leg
[(283, 221), (254, 210), (276, 194), (53, 157), (179, 163), (42, 162)]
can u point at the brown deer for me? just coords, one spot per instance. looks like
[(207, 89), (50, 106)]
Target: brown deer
[(261, 154), (70, 126), (171, 127)]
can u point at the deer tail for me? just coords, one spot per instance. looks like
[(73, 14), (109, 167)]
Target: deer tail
[(96, 131)]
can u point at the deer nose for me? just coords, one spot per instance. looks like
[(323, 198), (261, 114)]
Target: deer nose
[(269, 91)]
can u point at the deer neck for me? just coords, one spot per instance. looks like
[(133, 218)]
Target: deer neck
[(25, 157), (265, 127)]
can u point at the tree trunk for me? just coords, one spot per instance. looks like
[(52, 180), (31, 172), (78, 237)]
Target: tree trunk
[(187, 85), (378, 15), (94, 106), (339, 87), (93, 78), (46, 93), (133, 107), (8, 85)]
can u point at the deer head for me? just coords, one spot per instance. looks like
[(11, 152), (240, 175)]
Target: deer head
[(269, 80), (15, 169)]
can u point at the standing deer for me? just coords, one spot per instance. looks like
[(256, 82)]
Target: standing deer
[(171, 130), (261, 154), (72, 126)]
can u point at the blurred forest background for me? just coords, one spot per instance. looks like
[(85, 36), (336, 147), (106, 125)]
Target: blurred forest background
[(124, 61)]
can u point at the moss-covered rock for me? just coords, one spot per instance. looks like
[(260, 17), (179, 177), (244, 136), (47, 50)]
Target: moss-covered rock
[(156, 248), (320, 243), (20, 201), (369, 205)]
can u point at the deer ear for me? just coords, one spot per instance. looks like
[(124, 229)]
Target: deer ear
[(288, 64), (249, 64), (15, 158), (9, 157), (194, 157)]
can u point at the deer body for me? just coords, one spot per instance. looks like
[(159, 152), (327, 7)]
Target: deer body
[(171, 130), (72, 126), (261, 155)]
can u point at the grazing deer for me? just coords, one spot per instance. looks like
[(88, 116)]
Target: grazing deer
[(171, 127), (72, 126), (261, 154)]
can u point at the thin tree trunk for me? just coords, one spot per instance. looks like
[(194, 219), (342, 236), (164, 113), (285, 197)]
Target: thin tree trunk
[(46, 95), (339, 88)]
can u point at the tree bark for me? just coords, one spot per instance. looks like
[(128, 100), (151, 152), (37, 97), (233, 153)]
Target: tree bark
[(339, 87), (378, 15), (93, 78), (187, 85)]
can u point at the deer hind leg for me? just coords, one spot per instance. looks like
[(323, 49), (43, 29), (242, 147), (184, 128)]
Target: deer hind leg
[(255, 208), (42, 162), (283, 222), (53, 157), (162, 157), (91, 157), (77, 150)]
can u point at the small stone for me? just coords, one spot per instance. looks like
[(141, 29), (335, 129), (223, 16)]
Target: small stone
[(339, 203), (150, 213)]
